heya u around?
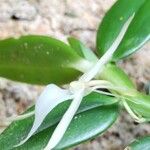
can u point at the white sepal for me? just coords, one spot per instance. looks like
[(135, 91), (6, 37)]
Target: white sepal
[(50, 98), (65, 121)]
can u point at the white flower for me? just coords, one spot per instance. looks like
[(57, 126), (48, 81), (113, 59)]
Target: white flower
[(53, 95), (50, 98)]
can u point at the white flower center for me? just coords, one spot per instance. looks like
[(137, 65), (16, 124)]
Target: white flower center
[(76, 85)]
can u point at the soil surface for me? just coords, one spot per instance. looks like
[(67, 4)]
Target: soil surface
[(60, 19)]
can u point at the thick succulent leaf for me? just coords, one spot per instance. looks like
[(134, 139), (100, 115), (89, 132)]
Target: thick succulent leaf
[(138, 33), (38, 60), (76, 45), (84, 127), (81, 49), (117, 76), (140, 104), (140, 144), (114, 21), (94, 116)]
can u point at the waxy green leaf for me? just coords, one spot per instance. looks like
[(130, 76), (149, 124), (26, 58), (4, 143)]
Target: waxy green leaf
[(96, 114), (140, 104), (116, 76), (137, 33), (81, 49), (38, 60), (140, 144)]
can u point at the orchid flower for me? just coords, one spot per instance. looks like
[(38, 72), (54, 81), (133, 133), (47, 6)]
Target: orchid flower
[(53, 95)]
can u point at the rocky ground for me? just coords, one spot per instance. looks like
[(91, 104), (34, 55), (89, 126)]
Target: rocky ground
[(61, 18)]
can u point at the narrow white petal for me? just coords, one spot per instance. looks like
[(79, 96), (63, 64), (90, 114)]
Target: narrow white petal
[(65, 121), (49, 98), (108, 55)]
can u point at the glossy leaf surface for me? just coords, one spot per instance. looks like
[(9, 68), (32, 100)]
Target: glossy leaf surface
[(140, 144), (140, 104), (137, 33), (117, 76), (81, 49), (37, 60), (94, 116)]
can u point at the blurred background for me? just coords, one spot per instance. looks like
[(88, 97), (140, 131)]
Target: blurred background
[(61, 18)]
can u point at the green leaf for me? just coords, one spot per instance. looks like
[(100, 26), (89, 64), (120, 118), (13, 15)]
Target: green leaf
[(96, 114), (140, 104), (140, 144), (114, 21), (38, 60), (116, 76), (81, 49), (137, 34)]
